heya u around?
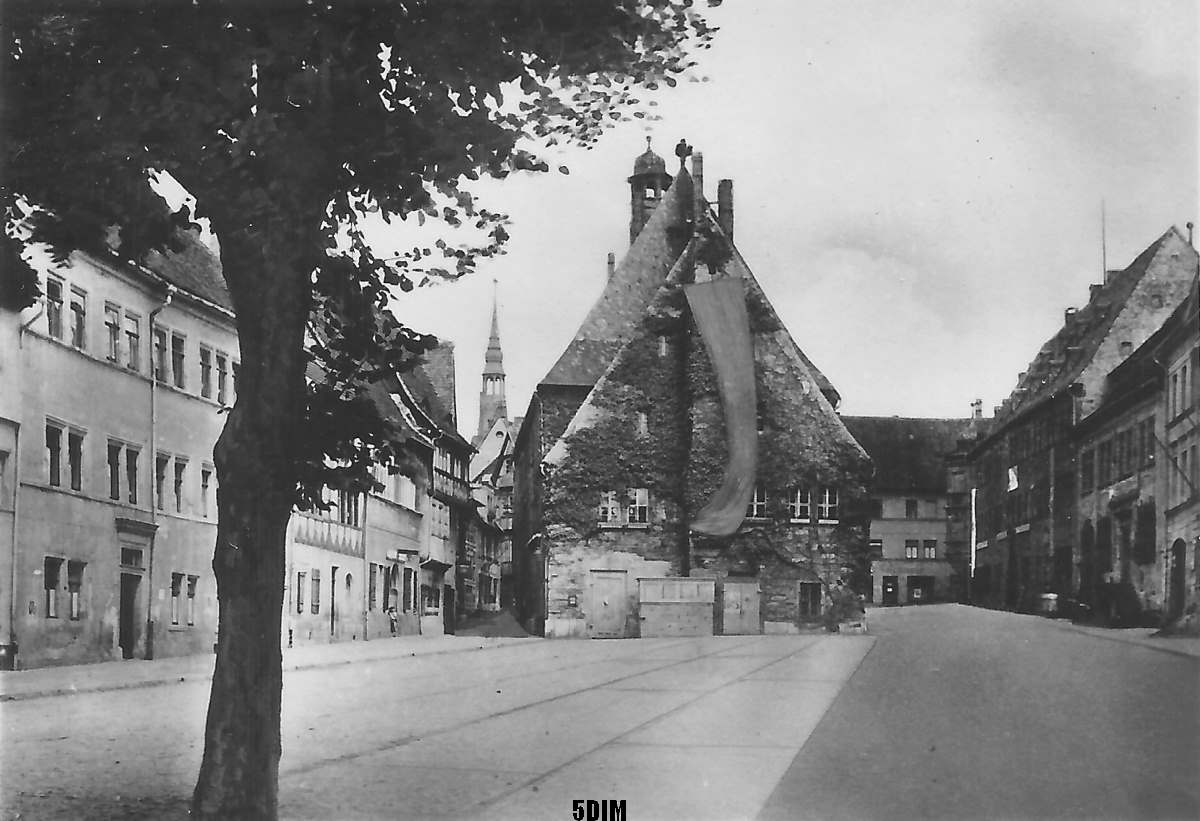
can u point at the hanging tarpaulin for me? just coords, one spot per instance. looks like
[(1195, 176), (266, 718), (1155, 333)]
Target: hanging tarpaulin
[(719, 307)]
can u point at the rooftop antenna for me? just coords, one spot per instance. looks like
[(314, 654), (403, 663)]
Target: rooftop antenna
[(1103, 245)]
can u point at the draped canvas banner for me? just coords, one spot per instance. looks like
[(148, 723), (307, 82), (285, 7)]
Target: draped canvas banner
[(719, 307)]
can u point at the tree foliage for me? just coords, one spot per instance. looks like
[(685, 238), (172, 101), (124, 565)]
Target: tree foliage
[(302, 118), (292, 123)]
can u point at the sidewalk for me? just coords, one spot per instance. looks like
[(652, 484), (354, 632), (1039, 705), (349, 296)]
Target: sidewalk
[(1179, 645), (45, 682)]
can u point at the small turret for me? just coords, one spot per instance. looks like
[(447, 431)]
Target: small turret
[(646, 186)]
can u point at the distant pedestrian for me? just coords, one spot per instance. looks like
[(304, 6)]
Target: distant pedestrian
[(393, 618)]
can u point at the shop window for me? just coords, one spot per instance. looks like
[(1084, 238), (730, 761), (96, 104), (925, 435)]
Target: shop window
[(51, 573)]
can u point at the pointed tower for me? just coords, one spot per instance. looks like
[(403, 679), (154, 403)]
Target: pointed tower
[(491, 394), (650, 179)]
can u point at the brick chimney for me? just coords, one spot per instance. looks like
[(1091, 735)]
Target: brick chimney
[(977, 409), (612, 264), (697, 189), (725, 207)]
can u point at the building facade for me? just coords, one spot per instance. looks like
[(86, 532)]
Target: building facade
[(123, 372), (912, 518), (635, 442), (1031, 535)]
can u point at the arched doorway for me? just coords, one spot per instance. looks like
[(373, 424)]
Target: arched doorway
[(1177, 580)]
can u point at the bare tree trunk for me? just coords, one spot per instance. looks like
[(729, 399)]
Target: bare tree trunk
[(239, 773)]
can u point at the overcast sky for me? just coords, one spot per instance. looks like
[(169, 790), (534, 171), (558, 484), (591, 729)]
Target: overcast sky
[(917, 187)]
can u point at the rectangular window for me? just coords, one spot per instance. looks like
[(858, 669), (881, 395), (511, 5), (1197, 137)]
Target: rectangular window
[(301, 583), (910, 509), (638, 510), (131, 473), (54, 454), (930, 549), (410, 593), (372, 582), (191, 607), (133, 342), (160, 480), (827, 509), (316, 591), (75, 589), (131, 556), (609, 511), (1148, 456), (180, 467), (757, 508), (205, 484), (114, 470), (912, 548), (112, 331), (876, 548), (52, 573), (222, 377), (160, 355), (75, 458), (800, 505), (79, 319), (54, 307), (178, 344), (1104, 464), (234, 368), (347, 505), (809, 599), (206, 372), (176, 594)]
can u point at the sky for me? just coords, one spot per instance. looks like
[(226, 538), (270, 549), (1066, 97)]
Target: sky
[(918, 186)]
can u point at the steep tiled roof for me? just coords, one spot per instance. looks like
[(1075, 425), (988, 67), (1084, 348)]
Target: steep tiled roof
[(434, 400), (194, 269), (626, 294), (1068, 353), (908, 452)]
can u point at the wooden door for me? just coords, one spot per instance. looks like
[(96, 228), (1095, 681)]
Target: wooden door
[(610, 604), (739, 609)]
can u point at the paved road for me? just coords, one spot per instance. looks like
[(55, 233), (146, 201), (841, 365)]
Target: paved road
[(965, 713), (944, 712), (686, 728)]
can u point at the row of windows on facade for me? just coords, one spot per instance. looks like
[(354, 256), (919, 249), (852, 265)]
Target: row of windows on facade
[(122, 467), (123, 346), (920, 549), (52, 568), (1181, 389), (636, 506), (1118, 456), (387, 590)]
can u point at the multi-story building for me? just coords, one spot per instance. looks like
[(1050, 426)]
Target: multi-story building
[(1028, 533), (1179, 353), (911, 526), (683, 374), (122, 371)]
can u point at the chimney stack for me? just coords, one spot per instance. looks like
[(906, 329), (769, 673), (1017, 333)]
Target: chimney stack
[(697, 189), (725, 207), (1189, 227), (612, 264), (977, 409)]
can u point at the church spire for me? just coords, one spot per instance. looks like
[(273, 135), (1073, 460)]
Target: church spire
[(491, 394)]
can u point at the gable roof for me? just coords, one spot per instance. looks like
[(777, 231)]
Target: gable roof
[(614, 315), (1066, 355), (908, 453)]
